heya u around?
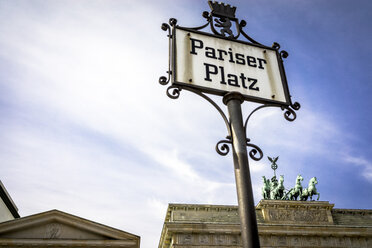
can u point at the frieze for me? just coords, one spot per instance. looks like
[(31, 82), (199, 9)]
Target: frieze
[(326, 241), (308, 216), (204, 239), (186, 239), (343, 241), (206, 216), (231, 240), (313, 241), (220, 239), (265, 240), (295, 241), (296, 212), (279, 240), (208, 239)]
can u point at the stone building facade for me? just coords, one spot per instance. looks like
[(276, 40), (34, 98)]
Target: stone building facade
[(56, 229), (280, 224)]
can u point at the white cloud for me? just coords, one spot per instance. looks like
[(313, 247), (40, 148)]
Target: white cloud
[(362, 162), (87, 129)]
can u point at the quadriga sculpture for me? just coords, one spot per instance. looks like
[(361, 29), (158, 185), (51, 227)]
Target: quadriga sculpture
[(274, 190)]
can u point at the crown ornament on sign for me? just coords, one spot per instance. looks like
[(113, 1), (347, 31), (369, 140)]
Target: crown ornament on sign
[(222, 10)]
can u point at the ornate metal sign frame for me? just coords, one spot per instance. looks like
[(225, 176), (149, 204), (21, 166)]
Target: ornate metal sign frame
[(222, 16)]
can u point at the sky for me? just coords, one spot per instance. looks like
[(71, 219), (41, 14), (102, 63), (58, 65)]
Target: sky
[(86, 128)]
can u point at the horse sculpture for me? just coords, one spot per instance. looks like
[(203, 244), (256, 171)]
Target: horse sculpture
[(266, 188), (281, 187), (311, 189), (304, 195), (295, 192)]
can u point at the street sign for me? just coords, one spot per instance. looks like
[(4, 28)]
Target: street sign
[(218, 65), (221, 64)]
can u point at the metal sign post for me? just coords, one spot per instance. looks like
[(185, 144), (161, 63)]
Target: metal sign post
[(219, 63), (247, 212)]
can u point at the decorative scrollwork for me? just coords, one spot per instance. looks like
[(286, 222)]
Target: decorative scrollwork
[(165, 27), (206, 15), (276, 46), (296, 106), (290, 114), (222, 147), (163, 80), (173, 92), (173, 22), (284, 54), (242, 24), (253, 152)]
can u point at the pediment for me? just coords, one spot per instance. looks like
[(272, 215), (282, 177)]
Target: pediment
[(59, 225)]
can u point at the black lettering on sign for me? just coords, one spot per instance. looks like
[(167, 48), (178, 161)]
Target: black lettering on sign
[(233, 80), (240, 59), (220, 52), (243, 77), (231, 60), (195, 44), (210, 52), (260, 63), (251, 61), (210, 69), (251, 86), (222, 75)]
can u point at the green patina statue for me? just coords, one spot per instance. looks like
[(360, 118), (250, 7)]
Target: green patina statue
[(266, 188), (295, 192), (275, 190), (274, 166), (273, 183), (310, 191)]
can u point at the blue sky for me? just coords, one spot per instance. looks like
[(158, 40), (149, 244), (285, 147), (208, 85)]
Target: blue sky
[(86, 128)]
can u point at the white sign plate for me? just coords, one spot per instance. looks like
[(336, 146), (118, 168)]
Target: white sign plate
[(218, 66)]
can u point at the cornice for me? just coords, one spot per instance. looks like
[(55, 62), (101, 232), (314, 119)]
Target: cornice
[(68, 219), (8, 201), (67, 243)]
